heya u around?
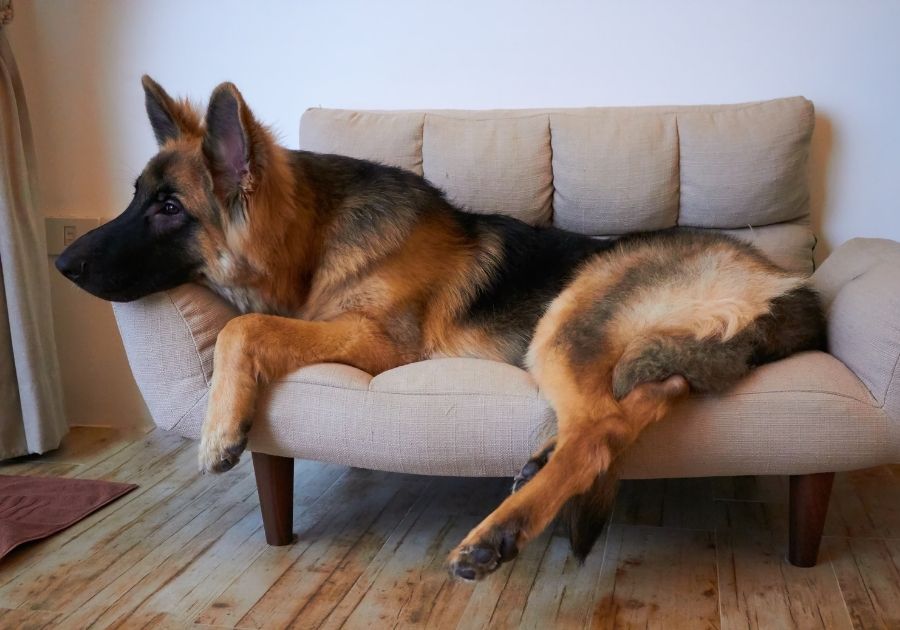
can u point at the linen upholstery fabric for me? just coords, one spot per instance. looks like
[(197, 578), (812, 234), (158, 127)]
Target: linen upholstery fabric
[(615, 174), (811, 412), (859, 286), (486, 184), (394, 139), (745, 165), (170, 347), (787, 244)]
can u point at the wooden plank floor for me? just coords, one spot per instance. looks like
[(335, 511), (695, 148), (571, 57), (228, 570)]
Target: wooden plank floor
[(187, 551)]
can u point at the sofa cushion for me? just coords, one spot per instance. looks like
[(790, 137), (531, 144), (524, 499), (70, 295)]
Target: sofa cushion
[(789, 244), (336, 413), (803, 414), (393, 138), (614, 173), (471, 417), (494, 165), (745, 165)]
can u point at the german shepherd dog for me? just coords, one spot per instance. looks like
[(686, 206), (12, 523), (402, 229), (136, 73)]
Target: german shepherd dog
[(334, 259)]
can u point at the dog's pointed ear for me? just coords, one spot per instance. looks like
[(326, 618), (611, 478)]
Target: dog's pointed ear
[(228, 143), (170, 119)]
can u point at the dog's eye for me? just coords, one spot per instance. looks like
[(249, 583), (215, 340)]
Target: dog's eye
[(170, 207)]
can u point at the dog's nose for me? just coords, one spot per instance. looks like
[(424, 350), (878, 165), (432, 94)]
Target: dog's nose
[(72, 268)]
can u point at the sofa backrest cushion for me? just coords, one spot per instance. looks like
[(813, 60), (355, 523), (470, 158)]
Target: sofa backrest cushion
[(605, 171)]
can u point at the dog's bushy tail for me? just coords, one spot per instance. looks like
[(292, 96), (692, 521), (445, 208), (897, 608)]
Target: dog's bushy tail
[(584, 515), (795, 322)]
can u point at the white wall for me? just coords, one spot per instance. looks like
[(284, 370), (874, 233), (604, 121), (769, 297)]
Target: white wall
[(81, 64)]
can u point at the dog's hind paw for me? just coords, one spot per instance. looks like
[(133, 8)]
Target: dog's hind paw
[(533, 466), (474, 561), (529, 470)]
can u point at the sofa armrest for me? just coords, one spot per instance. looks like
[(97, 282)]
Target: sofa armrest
[(169, 339), (860, 288)]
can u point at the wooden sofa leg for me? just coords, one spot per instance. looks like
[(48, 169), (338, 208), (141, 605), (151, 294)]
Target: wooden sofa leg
[(808, 507), (275, 486)]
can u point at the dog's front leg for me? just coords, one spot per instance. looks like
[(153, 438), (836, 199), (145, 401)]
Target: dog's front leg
[(254, 349)]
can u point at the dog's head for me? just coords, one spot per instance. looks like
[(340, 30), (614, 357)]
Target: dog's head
[(186, 204)]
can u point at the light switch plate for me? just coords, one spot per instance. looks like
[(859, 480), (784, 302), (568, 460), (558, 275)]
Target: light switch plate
[(61, 231)]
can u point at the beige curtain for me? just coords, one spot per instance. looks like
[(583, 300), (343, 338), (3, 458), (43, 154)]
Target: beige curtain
[(31, 410)]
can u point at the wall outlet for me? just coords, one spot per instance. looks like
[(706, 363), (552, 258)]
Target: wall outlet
[(61, 231)]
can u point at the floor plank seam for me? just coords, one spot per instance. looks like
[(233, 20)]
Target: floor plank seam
[(189, 481), (533, 579), (719, 606), (319, 498), (350, 549), (841, 591), (179, 572), (380, 569)]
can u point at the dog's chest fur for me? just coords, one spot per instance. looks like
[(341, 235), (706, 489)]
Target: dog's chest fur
[(245, 299), (232, 279)]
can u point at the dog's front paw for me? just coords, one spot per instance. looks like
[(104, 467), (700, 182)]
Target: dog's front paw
[(220, 450), (473, 561)]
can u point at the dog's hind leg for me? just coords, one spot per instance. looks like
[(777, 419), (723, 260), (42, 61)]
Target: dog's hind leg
[(255, 349), (586, 447)]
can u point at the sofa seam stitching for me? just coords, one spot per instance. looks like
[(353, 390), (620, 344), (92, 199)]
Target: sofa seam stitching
[(887, 389), (870, 403), (378, 391), (680, 171), (189, 410), (422, 142), (734, 395), (714, 108), (193, 339), (552, 171)]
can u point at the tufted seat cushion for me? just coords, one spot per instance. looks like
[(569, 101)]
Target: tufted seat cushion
[(472, 417)]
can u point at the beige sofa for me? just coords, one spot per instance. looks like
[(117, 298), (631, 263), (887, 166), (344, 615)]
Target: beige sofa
[(737, 168)]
